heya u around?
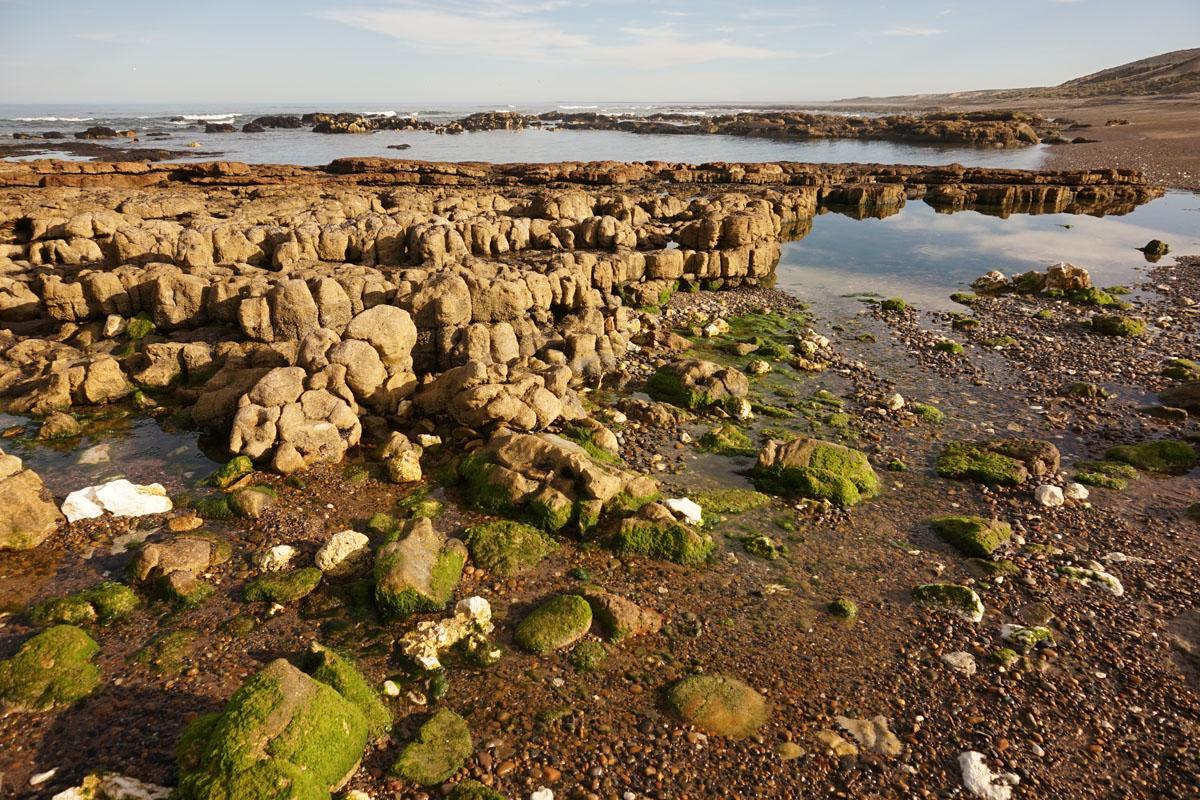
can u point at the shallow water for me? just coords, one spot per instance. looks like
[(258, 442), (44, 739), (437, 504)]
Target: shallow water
[(924, 256)]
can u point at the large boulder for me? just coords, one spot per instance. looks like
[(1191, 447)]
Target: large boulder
[(283, 734), (419, 571), (27, 513), (815, 469)]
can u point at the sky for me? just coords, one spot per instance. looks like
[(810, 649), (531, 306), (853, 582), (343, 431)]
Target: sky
[(526, 51)]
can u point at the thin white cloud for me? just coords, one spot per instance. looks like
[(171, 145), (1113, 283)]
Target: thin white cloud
[(522, 31), (912, 30), (123, 37)]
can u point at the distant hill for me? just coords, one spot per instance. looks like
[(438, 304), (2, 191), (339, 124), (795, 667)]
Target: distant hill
[(1170, 73)]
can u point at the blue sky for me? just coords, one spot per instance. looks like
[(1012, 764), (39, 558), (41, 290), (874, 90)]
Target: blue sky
[(513, 51)]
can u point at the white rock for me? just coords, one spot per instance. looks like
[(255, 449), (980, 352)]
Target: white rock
[(114, 326), (743, 410), (690, 509), (981, 781), (1048, 496), (542, 794), (42, 777), (961, 662), (344, 550), (428, 440), (94, 455), (1076, 491), (895, 402), (356, 794), (113, 787), (119, 498), (277, 558), (391, 689), (718, 327)]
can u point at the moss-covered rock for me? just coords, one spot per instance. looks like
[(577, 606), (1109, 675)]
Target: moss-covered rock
[(442, 746), (928, 413), (282, 735), (1182, 369), (958, 600), (283, 587), (719, 705), (341, 673), (843, 607), (231, 472), (473, 790), (507, 548), (1156, 249), (167, 654), (817, 470), (1025, 638), (1105, 474), (588, 656), (1166, 456), (730, 501), (419, 571), (53, 668), (557, 623), (949, 346), (972, 536), (672, 541), (1082, 390), (1115, 325), (893, 304), (727, 440), (1184, 395), (981, 463), (694, 384)]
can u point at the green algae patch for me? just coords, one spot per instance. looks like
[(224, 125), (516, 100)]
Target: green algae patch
[(442, 746), (140, 327), (719, 705), (951, 597), (283, 734), (843, 607), (928, 413), (1005, 656), (727, 440), (343, 675), (1114, 325), (893, 304), (168, 653), (667, 387), (1082, 390), (586, 438), (231, 472), (507, 548), (1182, 369), (972, 536), (473, 790), (105, 603), (588, 656), (418, 573), (763, 546), (1092, 296), (817, 470), (671, 541), (1026, 639), (283, 588), (1105, 474), (1166, 456), (52, 669), (557, 623), (420, 504), (949, 346), (964, 461), (730, 501), (965, 298)]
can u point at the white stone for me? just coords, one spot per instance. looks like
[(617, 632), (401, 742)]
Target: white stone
[(113, 787), (356, 794), (1076, 491), (961, 662), (114, 326), (1048, 496), (277, 558), (428, 440), (981, 781), (718, 327), (690, 509), (895, 402), (119, 498), (391, 689), (344, 550), (542, 794)]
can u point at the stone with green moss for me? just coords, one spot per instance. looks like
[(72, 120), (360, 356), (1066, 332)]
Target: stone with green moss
[(442, 746), (949, 346), (962, 601), (1182, 369), (928, 413), (140, 327), (965, 461), (718, 705), (672, 541), (473, 790), (1166, 456), (1105, 474), (1044, 314), (507, 548), (418, 572), (1092, 296), (1005, 656), (1115, 325), (893, 304), (965, 298), (1026, 638), (232, 471), (167, 654), (420, 504), (343, 675), (284, 587), (998, 341), (1156, 248), (218, 508), (587, 438), (727, 440), (382, 525), (588, 656), (843, 607), (730, 501), (695, 384), (283, 734), (960, 322), (1093, 577), (972, 536), (555, 624), (763, 546), (817, 470), (52, 669), (987, 568), (1082, 390)]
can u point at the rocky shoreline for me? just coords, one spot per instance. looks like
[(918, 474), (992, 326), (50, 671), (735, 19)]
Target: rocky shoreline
[(532, 486)]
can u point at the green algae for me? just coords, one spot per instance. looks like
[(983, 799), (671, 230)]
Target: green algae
[(727, 440), (507, 548), (588, 656), (843, 607), (1166, 456), (167, 653), (1113, 325), (965, 461), (672, 541), (556, 623), (283, 588), (52, 669), (730, 501), (341, 673), (442, 746), (960, 600), (972, 536), (718, 705)]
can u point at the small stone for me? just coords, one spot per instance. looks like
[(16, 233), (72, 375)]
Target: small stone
[(277, 558), (960, 662), (343, 552), (1076, 491), (1049, 496)]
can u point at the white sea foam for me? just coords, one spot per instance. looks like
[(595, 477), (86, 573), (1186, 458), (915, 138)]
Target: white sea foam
[(577, 108), (207, 117), (384, 114), (53, 119)]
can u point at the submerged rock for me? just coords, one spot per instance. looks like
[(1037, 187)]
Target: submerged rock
[(718, 705), (442, 746), (27, 514), (53, 668), (555, 624), (972, 536), (817, 470), (621, 618), (507, 548), (961, 601), (998, 462), (1166, 456), (656, 533), (104, 603), (419, 571)]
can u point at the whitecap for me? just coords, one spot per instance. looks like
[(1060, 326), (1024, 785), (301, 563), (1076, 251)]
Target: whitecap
[(53, 119)]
